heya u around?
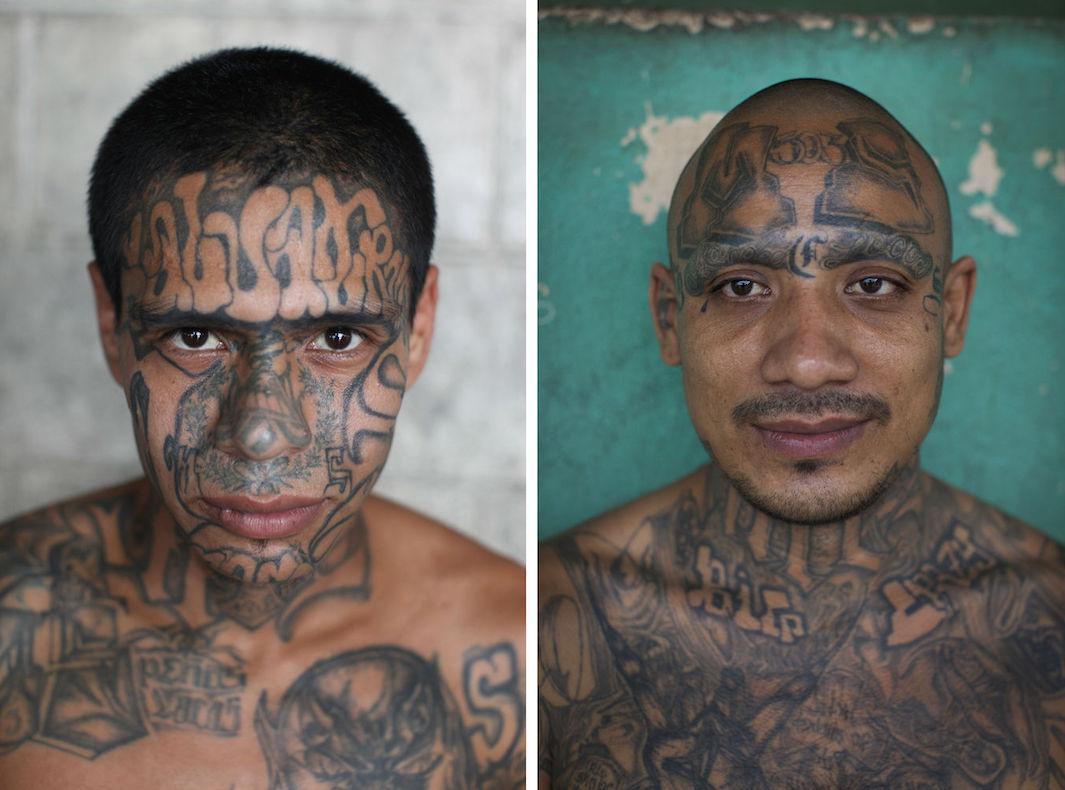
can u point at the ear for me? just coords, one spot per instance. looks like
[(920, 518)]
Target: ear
[(421, 332), (958, 288), (662, 298), (106, 320)]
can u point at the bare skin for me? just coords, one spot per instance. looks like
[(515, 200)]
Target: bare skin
[(690, 641), (248, 614), (811, 609)]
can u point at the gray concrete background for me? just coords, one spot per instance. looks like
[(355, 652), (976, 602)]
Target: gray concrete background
[(456, 67)]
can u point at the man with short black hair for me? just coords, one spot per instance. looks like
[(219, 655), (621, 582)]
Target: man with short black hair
[(248, 614), (811, 609)]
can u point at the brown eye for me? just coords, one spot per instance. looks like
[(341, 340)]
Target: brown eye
[(874, 286), (338, 338), (741, 288), (192, 338)]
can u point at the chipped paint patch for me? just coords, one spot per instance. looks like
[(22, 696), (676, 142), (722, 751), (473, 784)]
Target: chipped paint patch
[(986, 127), (872, 28), (815, 22), (986, 212), (1059, 169), (919, 25), (1041, 157), (669, 142), (645, 19), (948, 367), (984, 172)]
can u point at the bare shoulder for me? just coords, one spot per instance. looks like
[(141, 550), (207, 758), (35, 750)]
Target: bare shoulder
[(607, 534), (66, 537), (482, 590), (1013, 543)]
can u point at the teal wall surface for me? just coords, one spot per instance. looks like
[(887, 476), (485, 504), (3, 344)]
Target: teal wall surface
[(985, 97)]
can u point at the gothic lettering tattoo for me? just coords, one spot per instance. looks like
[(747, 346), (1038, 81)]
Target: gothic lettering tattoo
[(81, 671), (713, 647), (871, 205)]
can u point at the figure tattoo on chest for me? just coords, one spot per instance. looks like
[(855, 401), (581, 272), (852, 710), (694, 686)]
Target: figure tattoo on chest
[(712, 648)]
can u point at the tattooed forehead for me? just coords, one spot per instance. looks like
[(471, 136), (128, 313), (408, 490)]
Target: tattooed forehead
[(741, 186), (301, 245)]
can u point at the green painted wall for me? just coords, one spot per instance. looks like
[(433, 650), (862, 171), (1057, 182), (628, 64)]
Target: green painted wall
[(612, 422)]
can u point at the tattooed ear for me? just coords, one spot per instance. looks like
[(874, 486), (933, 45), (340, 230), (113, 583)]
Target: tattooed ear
[(664, 301), (106, 320)]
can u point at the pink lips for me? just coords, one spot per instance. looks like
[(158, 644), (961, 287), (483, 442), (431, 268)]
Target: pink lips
[(260, 519), (797, 439)]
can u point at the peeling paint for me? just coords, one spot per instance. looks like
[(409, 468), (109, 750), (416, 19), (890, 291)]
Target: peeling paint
[(984, 172), (948, 367), (987, 212), (986, 127), (1059, 169), (645, 19), (669, 143), (815, 22), (873, 28), (919, 25), (1041, 157)]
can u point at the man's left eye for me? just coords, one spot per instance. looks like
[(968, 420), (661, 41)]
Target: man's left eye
[(338, 338), (873, 286)]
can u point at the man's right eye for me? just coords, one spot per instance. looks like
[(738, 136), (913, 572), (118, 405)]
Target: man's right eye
[(194, 339), (741, 288)]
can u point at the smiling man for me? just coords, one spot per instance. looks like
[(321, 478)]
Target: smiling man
[(248, 615), (811, 609)]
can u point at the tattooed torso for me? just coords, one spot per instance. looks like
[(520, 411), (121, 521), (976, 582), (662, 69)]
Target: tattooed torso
[(686, 641), (386, 673)]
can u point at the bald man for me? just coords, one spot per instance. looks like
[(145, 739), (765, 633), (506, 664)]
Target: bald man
[(810, 609)]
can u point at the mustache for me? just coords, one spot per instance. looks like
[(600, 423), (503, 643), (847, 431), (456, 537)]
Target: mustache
[(813, 404)]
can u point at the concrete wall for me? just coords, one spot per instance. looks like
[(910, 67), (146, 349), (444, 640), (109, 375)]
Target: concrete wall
[(624, 98), (457, 69)]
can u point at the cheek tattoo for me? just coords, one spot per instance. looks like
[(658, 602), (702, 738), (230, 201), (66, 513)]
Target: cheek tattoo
[(260, 420)]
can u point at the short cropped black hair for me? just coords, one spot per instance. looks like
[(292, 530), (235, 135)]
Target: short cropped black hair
[(270, 112)]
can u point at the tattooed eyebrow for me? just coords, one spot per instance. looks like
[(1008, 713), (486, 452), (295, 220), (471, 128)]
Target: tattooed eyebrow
[(158, 316), (776, 250), (855, 246)]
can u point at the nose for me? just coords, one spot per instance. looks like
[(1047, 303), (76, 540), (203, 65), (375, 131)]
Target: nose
[(261, 418), (810, 342)]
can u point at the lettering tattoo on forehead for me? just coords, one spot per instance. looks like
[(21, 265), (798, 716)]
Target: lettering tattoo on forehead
[(238, 248), (871, 205)]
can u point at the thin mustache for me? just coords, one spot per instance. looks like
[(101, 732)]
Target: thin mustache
[(814, 404)]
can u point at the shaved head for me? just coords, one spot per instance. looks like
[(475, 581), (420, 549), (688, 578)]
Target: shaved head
[(816, 154), (811, 298)]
